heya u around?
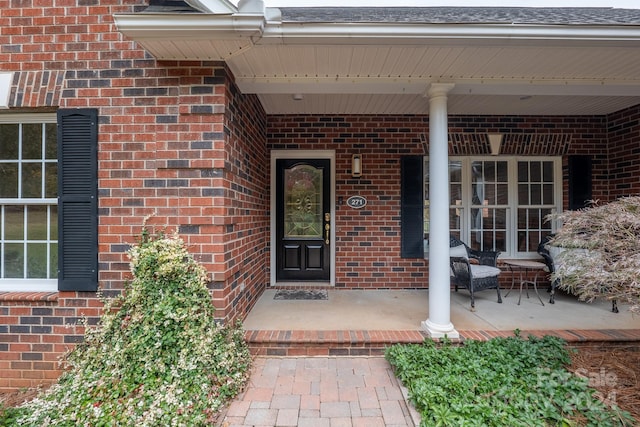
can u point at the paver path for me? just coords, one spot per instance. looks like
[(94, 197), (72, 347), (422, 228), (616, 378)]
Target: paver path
[(320, 391)]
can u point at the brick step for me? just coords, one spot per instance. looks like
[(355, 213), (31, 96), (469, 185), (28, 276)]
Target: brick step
[(327, 343), (374, 343)]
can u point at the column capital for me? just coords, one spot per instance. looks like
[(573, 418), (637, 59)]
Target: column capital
[(439, 89)]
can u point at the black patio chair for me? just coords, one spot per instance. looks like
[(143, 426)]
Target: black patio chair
[(474, 277), (543, 251), (548, 257)]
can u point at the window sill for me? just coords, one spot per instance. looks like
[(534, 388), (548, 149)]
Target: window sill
[(33, 297)]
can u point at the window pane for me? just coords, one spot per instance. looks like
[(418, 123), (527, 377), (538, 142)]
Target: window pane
[(51, 141), (477, 173), (455, 219), (9, 142), (490, 193), (522, 218), (37, 260), (523, 172), (32, 180), (490, 171), (13, 222), (500, 241), (13, 260), (503, 174), (51, 180), (536, 194), (54, 222), (477, 197), (534, 219), (37, 223), (547, 174), (9, 180), (547, 194), (455, 171), (522, 241), (53, 263), (456, 194), (488, 221), (31, 141), (523, 194), (503, 194), (536, 172), (534, 241)]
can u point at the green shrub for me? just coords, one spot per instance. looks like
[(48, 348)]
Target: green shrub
[(157, 357), (9, 415), (501, 382)]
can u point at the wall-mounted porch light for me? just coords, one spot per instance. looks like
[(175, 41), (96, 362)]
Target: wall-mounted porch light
[(356, 165)]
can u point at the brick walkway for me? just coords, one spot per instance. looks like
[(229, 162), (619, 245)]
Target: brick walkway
[(320, 391)]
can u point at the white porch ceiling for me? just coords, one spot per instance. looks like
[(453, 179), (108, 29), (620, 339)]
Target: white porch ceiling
[(349, 68), (394, 79)]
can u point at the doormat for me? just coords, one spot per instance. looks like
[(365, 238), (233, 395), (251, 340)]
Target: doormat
[(301, 294)]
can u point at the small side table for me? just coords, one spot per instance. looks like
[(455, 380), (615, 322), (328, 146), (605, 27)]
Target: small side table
[(525, 266)]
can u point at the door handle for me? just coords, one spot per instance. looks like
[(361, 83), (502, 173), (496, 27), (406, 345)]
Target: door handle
[(327, 228)]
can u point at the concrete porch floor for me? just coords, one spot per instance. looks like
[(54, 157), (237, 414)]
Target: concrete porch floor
[(406, 309)]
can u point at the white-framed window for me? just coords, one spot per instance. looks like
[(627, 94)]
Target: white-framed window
[(28, 202), (500, 203)]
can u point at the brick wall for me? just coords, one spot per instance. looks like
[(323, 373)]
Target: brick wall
[(246, 206), (368, 240), (36, 329), (624, 153), (177, 142)]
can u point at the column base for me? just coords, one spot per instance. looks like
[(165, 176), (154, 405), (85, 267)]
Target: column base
[(436, 330)]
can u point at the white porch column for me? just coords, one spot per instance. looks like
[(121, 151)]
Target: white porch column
[(439, 322)]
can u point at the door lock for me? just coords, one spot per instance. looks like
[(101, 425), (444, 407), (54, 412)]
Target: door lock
[(327, 228)]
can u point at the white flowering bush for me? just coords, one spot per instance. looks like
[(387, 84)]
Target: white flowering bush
[(157, 357)]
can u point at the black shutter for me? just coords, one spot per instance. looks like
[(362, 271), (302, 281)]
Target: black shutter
[(411, 207), (580, 182), (77, 200)]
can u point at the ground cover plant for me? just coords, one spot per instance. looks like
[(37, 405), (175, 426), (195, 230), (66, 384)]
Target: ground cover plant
[(157, 356), (500, 382)]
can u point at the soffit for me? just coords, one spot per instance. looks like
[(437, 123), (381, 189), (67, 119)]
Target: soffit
[(394, 79), (387, 67)]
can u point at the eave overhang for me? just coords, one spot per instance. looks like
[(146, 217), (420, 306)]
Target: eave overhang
[(273, 57), (147, 28)]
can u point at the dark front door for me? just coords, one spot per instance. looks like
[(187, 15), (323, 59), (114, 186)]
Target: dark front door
[(303, 219)]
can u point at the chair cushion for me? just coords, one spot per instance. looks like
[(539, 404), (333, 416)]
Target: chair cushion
[(554, 251), (483, 271), (562, 262), (459, 251)]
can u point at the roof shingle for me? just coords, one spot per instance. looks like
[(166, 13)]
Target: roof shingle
[(464, 15)]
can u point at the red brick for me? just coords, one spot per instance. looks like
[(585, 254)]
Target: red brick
[(130, 139)]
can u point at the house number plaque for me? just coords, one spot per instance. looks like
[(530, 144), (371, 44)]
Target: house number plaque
[(356, 202)]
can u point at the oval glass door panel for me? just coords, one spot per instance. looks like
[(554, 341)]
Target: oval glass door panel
[(303, 202)]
